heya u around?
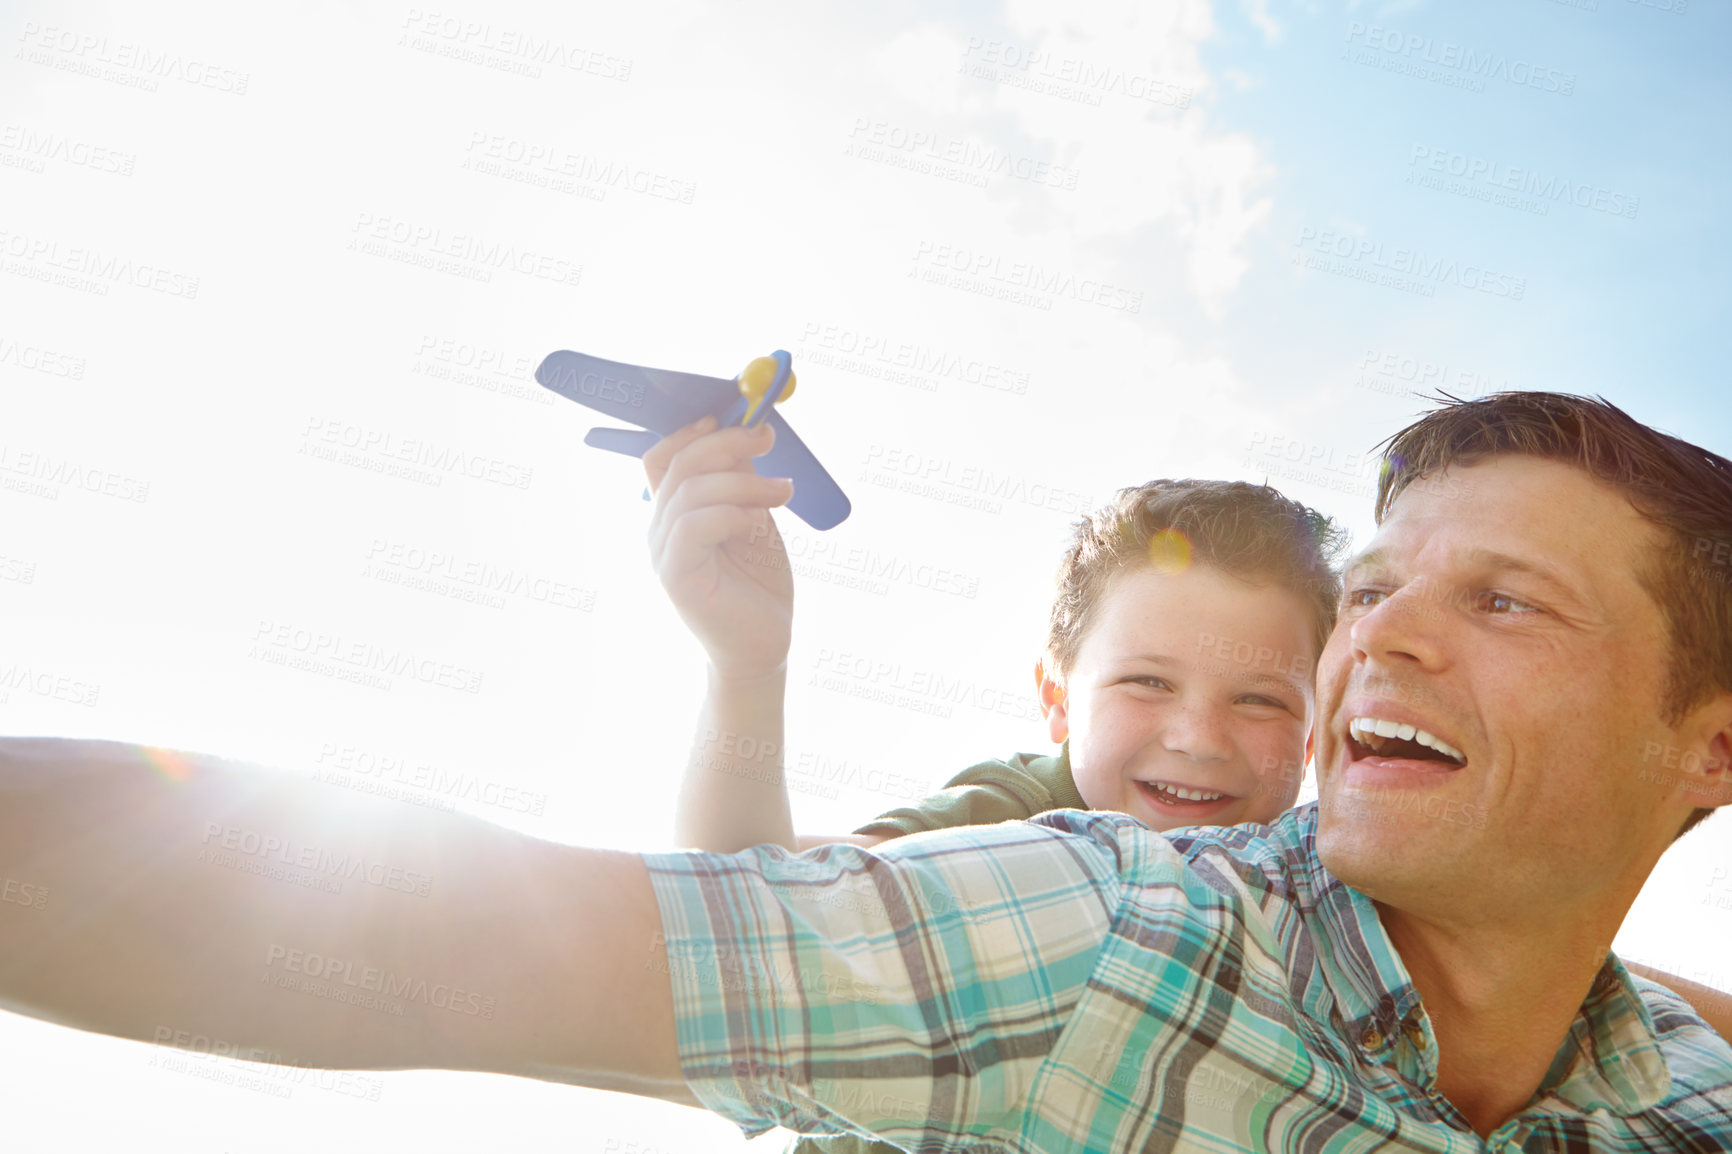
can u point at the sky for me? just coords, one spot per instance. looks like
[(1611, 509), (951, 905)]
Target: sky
[(274, 282)]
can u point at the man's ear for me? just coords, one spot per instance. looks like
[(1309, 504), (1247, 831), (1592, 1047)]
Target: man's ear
[(1717, 770), (1053, 705), (1708, 784)]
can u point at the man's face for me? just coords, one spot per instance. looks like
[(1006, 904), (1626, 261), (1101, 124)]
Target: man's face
[(1189, 701), (1496, 615)]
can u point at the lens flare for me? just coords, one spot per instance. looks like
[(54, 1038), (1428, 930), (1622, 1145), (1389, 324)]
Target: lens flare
[(1170, 551), (169, 763)]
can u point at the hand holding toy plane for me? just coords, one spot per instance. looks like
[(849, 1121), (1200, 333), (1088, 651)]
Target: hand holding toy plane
[(661, 401)]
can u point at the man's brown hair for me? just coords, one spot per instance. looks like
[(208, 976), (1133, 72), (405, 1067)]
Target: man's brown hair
[(1683, 489), (1248, 531)]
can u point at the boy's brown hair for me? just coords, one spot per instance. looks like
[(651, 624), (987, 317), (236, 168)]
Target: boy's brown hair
[(1248, 531), (1684, 490)]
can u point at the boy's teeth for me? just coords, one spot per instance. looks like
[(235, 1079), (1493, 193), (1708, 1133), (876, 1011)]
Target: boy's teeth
[(1183, 794), (1370, 731)]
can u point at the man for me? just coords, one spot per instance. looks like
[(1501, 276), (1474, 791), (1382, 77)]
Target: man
[(1418, 962)]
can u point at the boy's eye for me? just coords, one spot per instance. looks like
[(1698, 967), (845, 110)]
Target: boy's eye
[(1259, 699), (1151, 681)]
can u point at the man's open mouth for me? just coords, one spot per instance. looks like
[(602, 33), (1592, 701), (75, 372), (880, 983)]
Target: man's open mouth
[(1381, 737)]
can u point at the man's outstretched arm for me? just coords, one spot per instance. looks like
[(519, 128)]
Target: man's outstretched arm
[(163, 896)]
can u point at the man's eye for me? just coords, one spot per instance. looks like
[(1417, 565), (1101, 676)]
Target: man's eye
[(1363, 598), (1503, 603)]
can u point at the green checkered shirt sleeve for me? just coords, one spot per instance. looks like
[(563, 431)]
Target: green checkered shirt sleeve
[(911, 991)]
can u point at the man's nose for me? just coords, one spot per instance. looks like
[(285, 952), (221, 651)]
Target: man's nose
[(1406, 628)]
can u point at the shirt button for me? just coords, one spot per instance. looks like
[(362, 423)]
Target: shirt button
[(1372, 1039)]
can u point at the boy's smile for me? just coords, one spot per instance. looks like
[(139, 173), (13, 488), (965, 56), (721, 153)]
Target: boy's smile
[(1189, 701)]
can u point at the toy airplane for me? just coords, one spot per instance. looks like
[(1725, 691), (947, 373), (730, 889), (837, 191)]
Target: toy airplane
[(661, 401)]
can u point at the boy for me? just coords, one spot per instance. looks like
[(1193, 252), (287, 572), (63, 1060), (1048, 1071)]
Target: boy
[(1177, 677)]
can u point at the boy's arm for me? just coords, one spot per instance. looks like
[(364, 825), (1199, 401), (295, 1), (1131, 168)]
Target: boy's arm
[(733, 795), (1711, 1005), (715, 548), (174, 896)]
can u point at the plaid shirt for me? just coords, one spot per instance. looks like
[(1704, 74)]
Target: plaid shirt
[(1089, 985)]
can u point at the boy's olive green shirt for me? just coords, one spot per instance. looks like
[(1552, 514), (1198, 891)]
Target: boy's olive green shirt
[(983, 794), (987, 794)]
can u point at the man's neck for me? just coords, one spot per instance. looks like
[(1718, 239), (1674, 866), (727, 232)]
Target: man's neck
[(1500, 1001)]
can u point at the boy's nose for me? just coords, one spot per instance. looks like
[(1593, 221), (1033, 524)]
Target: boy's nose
[(1198, 731)]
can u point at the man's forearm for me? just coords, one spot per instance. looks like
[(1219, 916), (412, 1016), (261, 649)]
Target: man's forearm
[(734, 795), (180, 896)]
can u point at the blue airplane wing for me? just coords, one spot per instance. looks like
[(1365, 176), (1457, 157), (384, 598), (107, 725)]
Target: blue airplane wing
[(662, 401), (656, 399), (818, 500)]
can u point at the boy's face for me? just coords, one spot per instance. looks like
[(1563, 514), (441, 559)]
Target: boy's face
[(1190, 699)]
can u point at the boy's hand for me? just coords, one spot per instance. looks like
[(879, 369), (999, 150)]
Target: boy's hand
[(715, 547)]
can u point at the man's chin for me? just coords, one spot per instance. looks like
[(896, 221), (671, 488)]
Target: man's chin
[(1385, 853)]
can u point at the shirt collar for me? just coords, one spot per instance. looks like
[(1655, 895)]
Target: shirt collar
[(1611, 1059)]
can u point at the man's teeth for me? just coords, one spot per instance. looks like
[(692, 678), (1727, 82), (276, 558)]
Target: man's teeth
[(1182, 793), (1371, 732)]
